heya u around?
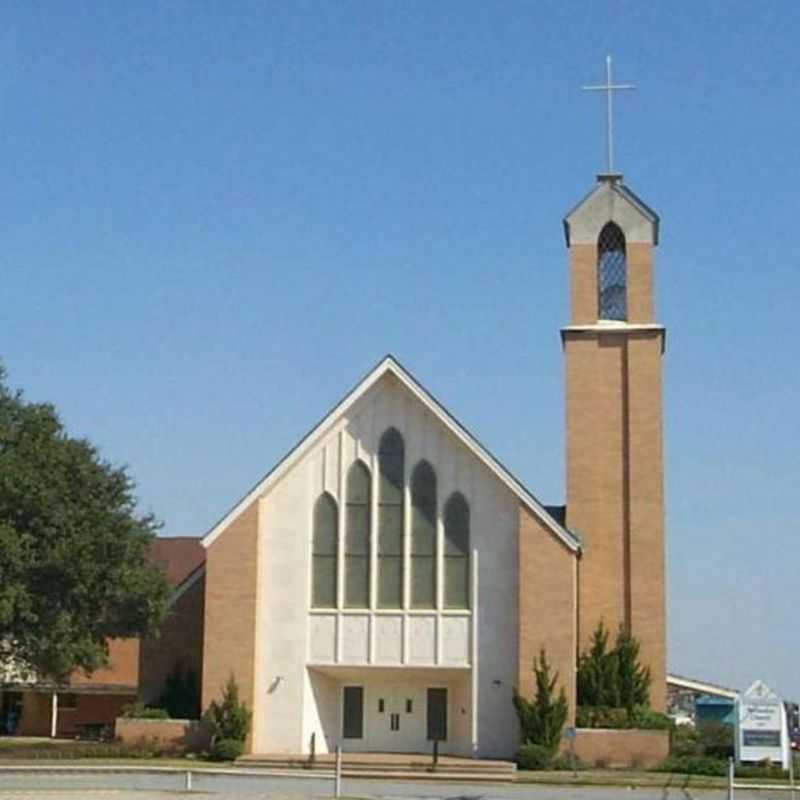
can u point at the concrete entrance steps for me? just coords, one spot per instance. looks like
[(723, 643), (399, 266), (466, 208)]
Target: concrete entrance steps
[(390, 766)]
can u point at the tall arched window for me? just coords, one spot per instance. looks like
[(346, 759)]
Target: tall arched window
[(456, 552), (357, 539), (423, 536), (391, 466), (612, 277), (325, 550)]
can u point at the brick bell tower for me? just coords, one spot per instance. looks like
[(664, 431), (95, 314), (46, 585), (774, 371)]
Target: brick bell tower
[(613, 348)]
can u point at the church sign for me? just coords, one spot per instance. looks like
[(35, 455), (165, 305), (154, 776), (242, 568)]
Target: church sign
[(761, 727)]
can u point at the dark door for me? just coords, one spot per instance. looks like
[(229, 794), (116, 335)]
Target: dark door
[(437, 714), (353, 712)]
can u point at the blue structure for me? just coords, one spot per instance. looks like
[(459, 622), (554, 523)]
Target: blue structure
[(708, 708)]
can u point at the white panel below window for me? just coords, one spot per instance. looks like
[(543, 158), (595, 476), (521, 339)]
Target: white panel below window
[(323, 638), (455, 640), (422, 639), (388, 639), (355, 639)]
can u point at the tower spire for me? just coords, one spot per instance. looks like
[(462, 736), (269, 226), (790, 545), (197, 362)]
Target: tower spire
[(609, 88)]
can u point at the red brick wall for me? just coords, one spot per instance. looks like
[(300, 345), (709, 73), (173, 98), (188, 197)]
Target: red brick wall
[(123, 670), (180, 642), (89, 709), (620, 748), (182, 734)]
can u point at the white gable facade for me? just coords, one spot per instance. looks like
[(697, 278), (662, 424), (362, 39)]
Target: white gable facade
[(371, 675)]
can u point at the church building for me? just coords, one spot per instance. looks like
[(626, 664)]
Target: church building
[(390, 582)]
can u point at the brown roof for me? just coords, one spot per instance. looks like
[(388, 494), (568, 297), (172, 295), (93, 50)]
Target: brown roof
[(178, 556)]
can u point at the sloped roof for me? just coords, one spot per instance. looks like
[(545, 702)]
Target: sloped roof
[(390, 365), (613, 184), (178, 556), (700, 686)]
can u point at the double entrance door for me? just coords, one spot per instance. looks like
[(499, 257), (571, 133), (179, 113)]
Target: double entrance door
[(394, 718)]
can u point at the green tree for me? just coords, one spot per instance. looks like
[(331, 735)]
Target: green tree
[(633, 679), (597, 682), (181, 695), (612, 678), (230, 718), (542, 719), (73, 549)]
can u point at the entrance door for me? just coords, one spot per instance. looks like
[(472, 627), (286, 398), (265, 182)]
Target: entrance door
[(437, 714), (353, 712), (397, 720), (10, 712)]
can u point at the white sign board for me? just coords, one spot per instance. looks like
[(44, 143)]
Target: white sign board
[(761, 729)]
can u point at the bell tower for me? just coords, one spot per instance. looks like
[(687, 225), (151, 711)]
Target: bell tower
[(613, 348)]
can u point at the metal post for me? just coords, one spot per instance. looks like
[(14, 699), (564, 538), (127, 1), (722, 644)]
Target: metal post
[(572, 757), (337, 785), (313, 753), (731, 774), (188, 780), (791, 772), (435, 752), (610, 113)]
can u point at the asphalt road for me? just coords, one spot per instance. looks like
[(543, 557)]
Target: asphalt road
[(149, 786)]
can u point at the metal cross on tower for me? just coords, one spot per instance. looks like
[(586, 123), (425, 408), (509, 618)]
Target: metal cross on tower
[(609, 88)]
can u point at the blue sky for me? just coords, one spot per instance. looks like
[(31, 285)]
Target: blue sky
[(217, 216)]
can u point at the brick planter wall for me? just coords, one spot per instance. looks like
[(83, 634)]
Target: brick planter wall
[(620, 747), (185, 734)]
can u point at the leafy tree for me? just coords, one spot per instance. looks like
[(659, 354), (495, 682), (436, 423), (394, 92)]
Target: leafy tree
[(612, 678), (542, 719), (72, 547), (230, 718), (181, 695)]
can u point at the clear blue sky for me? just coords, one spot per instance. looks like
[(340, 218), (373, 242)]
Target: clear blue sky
[(217, 216)]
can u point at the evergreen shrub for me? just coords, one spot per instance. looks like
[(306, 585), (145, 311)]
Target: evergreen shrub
[(542, 719), (230, 718), (226, 750), (534, 757)]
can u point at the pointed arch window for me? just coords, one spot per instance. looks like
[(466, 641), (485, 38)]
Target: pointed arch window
[(325, 553), (357, 540), (612, 274), (456, 552), (423, 536), (391, 466)]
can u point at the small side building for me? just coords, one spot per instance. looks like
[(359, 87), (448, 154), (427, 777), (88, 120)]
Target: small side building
[(87, 705)]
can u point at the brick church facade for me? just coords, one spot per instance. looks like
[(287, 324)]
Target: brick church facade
[(390, 581)]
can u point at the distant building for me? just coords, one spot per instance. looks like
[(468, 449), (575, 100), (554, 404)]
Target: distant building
[(89, 704), (691, 701)]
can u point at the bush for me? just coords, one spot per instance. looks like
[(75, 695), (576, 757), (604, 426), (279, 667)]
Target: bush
[(564, 762), (226, 750), (683, 741), (636, 717), (715, 739), (140, 711), (765, 769), (542, 719), (693, 765), (647, 719), (143, 748), (601, 717), (181, 695), (230, 718), (534, 757)]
